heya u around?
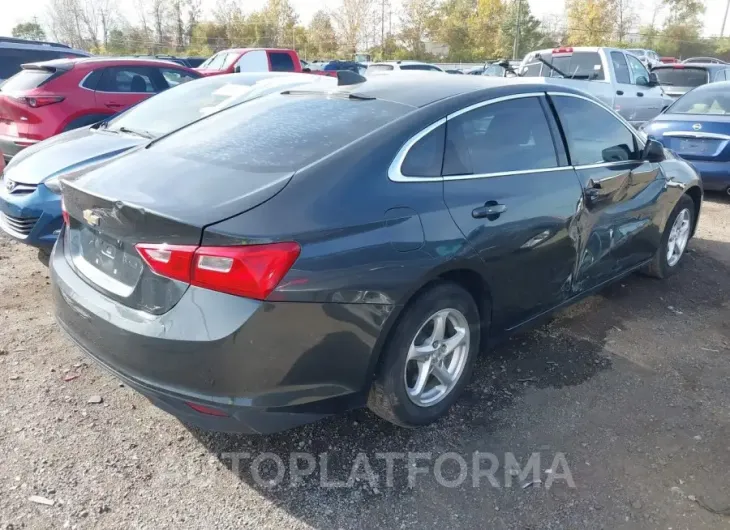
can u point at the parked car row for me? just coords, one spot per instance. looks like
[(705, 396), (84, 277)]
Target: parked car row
[(426, 216)]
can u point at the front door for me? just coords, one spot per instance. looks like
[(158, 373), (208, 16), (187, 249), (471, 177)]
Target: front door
[(627, 102), (621, 191), (514, 197), (650, 99)]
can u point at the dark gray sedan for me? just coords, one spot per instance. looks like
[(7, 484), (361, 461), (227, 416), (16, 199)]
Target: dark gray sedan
[(317, 250)]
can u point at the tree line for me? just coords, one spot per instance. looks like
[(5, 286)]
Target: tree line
[(443, 30)]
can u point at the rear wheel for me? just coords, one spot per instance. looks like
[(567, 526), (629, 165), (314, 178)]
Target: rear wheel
[(677, 234), (428, 357)]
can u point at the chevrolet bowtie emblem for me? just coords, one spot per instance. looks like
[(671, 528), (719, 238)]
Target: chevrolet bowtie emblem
[(91, 218)]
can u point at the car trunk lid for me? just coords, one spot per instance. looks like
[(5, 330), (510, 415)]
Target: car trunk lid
[(109, 215), (697, 137)]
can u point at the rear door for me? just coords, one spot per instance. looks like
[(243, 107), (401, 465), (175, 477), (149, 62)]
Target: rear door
[(121, 87), (620, 191), (650, 99), (513, 196)]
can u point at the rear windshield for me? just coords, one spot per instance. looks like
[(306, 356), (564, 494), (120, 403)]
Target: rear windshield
[(26, 80), (12, 58), (714, 100), (280, 132), (690, 77), (578, 65)]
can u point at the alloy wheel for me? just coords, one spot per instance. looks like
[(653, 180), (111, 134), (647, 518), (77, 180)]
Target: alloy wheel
[(437, 357), (678, 237)]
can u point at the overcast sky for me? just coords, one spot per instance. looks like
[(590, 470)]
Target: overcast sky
[(15, 11)]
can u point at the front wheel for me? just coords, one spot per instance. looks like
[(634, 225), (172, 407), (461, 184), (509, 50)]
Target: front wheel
[(428, 358), (675, 238)]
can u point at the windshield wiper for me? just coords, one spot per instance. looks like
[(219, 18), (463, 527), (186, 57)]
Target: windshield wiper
[(143, 134)]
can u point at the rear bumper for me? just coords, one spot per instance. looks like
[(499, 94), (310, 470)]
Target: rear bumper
[(267, 366), (715, 175), (12, 145), (43, 206)]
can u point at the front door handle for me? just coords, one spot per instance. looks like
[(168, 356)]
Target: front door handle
[(640, 94), (113, 105), (619, 92), (490, 210)]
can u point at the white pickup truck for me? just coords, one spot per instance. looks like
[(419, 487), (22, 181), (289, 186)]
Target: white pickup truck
[(616, 77)]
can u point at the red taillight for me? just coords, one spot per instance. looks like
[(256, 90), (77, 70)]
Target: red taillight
[(64, 213), (171, 261), (39, 101), (210, 411), (252, 271), (678, 66), (563, 50)]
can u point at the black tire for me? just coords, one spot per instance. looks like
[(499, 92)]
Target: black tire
[(388, 397), (44, 256), (659, 267)]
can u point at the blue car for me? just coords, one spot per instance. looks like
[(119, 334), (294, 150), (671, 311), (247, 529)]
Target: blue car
[(697, 128), (30, 193)]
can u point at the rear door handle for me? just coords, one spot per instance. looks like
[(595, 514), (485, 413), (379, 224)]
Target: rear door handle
[(114, 105), (491, 211), (640, 94), (619, 92)]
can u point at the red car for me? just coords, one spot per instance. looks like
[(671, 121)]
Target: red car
[(48, 98), (251, 60)]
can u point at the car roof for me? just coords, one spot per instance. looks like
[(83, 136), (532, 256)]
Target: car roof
[(420, 89), (683, 66), (25, 44), (109, 61), (241, 50)]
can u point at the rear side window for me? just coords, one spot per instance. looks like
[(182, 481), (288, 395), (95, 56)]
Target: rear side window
[(380, 68), (685, 77), (508, 136), (281, 62), (277, 133), (426, 156), (621, 68), (426, 67), (27, 80), (721, 75), (127, 79), (91, 81), (594, 135)]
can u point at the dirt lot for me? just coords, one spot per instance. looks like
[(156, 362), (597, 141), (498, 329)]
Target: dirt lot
[(632, 386)]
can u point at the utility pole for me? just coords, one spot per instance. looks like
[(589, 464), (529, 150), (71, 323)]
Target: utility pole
[(516, 46), (724, 20), (382, 30)]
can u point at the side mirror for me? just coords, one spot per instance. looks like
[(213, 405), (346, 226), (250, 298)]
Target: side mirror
[(653, 79), (237, 69), (653, 151)]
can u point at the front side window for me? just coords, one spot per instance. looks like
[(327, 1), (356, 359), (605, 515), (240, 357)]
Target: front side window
[(127, 79), (594, 135), (507, 136), (641, 76), (176, 77)]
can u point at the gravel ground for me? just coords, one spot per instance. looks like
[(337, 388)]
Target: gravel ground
[(628, 391)]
